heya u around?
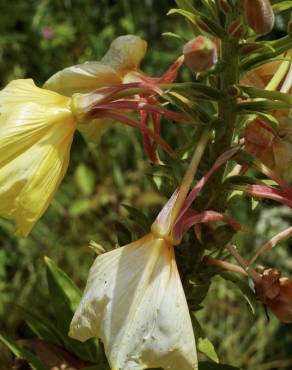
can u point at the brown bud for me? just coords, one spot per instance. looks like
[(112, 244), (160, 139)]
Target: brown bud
[(276, 292), (259, 15), (200, 54)]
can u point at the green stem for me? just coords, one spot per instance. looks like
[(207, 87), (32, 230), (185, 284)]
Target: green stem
[(227, 110)]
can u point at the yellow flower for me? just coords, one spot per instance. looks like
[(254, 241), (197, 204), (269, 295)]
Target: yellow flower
[(134, 301), (123, 57), (37, 128)]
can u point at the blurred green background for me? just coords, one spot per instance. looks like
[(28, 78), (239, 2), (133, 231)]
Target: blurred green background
[(37, 39)]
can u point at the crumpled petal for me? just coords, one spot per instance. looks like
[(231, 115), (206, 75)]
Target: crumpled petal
[(35, 142), (134, 301), (82, 78), (124, 54)]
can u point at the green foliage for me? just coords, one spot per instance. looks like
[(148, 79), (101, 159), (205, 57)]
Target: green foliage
[(20, 352)]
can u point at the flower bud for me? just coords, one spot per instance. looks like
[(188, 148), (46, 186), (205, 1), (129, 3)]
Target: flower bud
[(200, 54), (277, 294), (259, 15)]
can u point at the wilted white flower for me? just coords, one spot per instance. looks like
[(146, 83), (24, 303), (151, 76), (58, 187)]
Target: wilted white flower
[(135, 303)]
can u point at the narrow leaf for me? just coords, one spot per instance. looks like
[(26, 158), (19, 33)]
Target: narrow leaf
[(243, 287), (282, 6), (23, 353), (65, 297)]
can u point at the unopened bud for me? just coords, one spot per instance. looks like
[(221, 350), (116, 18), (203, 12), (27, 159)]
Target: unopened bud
[(200, 54), (277, 294), (259, 15)]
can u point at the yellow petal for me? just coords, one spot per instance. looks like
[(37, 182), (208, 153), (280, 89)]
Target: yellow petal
[(25, 91), (125, 53), (134, 301), (93, 130), (82, 78), (34, 153)]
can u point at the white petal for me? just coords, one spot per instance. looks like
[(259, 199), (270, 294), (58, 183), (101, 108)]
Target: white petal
[(134, 301)]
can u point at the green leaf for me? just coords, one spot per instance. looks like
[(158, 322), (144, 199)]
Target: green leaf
[(243, 287), (213, 366), (79, 207), (279, 46), (204, 345), (273, 95), (262, 105), (85, 179), (282, 6), (193, 89), (23, 353), (65, 297), (40, 326), (186, 14), (139, 217), (175, 36), (270, 119), (64, 293), (213, 27), (185, 5)]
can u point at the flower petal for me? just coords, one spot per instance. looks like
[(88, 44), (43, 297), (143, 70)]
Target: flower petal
[(93, 130), (82, 78), (25, 91), (134, 302), (125, 53), (34, 153)]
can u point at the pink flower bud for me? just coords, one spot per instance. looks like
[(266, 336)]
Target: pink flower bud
[(200, 54), (48, 33), (259, 15)]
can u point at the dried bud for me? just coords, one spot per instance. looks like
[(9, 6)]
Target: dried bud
[(259, 15), (200, 54), (276, 293)]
